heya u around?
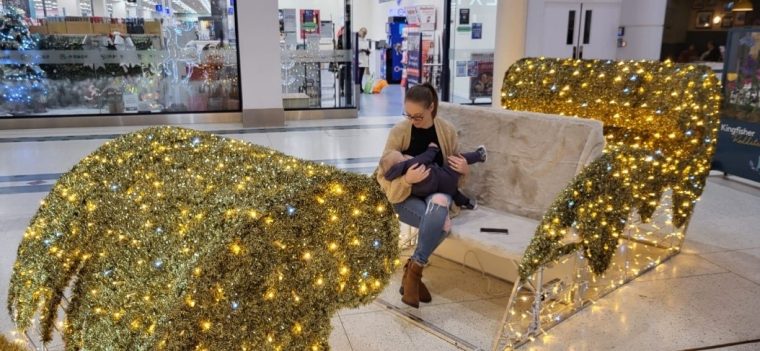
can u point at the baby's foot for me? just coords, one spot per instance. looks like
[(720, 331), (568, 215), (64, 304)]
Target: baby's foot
[(483, 153), (472, 204)]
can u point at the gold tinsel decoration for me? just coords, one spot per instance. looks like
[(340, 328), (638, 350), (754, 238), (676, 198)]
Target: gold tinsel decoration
[(7, 345), (661, 122), (175, 239)]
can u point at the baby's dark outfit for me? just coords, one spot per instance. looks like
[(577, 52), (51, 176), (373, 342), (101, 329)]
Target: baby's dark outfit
[(441, 179)]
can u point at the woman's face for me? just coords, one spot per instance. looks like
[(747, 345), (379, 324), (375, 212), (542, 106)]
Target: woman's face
[(418, 114)]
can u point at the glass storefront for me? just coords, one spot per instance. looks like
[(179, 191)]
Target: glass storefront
[(318, 62), (102, 57), (472, 45)]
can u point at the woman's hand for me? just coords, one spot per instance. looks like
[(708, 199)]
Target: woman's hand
[(416, 174), (459, 164)]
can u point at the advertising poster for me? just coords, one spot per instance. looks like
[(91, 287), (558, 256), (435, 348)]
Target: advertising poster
[(309, 22), (131, 102), (327, 30), (481, 83), (288, 20), (738, 151), (427, 17), (477, 31), (427, 47), (464, 16), (412, 16), (462, 69), (414, 60), (472, 69)]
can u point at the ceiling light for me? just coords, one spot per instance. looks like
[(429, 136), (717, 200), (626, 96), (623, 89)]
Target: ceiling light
[(743, 6)]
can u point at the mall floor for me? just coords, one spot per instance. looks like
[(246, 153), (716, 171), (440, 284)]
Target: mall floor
[(708, 297)]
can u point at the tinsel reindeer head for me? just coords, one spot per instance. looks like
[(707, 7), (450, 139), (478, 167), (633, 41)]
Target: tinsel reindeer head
[(176, 239), (661, 122)]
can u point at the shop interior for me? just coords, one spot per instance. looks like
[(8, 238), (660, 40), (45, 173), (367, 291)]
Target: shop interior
[(101, 57), (405, 44), (697, 30)]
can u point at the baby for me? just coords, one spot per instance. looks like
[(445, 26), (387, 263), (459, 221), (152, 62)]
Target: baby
[(441, 179)]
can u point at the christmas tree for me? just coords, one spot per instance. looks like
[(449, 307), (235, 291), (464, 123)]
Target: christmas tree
[(23, 87)]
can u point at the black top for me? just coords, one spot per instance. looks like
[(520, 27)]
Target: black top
[(421, 138)]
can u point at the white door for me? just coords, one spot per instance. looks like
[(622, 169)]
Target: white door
[(598, 30), (561, 25)]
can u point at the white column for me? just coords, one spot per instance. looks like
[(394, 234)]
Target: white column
[(511, 24), (99, 8), (70, 7), (644, 21), (260, 63), (120, 9)]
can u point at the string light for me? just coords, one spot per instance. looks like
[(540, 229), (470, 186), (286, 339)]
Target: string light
[(152, 272)]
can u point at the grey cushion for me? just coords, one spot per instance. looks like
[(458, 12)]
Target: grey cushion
[(531, 156)]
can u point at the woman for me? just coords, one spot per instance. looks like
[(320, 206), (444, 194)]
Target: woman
[(430, 215), (364, 51)]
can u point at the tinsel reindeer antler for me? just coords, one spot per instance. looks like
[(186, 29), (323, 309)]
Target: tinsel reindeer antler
[(597, 203), (178, 239)]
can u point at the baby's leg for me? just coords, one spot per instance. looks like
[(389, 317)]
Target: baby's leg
[(476, 156)]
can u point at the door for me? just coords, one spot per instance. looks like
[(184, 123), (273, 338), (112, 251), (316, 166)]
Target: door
[(561, 22), (569, 29), (598, 27)]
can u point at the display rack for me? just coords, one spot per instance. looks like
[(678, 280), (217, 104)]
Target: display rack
[(421, 62)]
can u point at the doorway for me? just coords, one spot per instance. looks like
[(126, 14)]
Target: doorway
[(581, 30)]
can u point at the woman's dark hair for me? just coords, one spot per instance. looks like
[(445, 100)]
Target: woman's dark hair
[(425, 95)]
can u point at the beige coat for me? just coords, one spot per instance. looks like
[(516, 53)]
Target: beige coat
[(399, 139)]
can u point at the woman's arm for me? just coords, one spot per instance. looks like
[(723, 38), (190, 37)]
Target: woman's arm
[(400, 168), (398, 189)]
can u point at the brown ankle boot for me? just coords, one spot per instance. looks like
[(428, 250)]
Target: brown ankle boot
[(411, 284), (424, 292)]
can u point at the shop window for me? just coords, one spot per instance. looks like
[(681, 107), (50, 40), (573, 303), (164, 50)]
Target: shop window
[(115, 57)]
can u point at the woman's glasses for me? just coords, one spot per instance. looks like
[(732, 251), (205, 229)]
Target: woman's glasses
[(415, 118)]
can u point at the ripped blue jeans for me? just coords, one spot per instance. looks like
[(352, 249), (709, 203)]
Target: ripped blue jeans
[(429, 217)]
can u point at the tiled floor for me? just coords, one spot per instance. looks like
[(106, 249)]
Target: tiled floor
[(709, 295), (388, 103)]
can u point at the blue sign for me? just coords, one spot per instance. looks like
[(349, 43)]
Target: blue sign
[(231, 11), (159, 8), (477, 31), (738, 151)]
